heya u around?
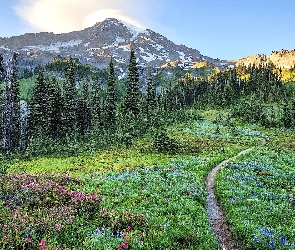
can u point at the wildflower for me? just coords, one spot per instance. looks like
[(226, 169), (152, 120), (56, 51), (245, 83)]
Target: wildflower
[(57, 227), (124, 245), (43, 246), (124, 235), (28, 239)]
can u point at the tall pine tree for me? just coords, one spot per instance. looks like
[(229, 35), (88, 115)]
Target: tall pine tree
[(54, 102), (150, 98), (69, 101), (96, 116), (11, 110), (38, 123), (83, 110), (111, 97), (1, 69), (133, 92)]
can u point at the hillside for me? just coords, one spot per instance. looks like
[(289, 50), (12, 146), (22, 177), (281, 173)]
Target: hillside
[(283, 59)]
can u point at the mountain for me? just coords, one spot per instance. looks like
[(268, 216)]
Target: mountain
[(97, 44), (283, 59)]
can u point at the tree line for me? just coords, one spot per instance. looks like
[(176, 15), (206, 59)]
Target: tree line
[(63, 111), (66, 111)]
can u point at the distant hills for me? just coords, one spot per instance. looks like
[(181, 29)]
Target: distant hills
[(283, 59)]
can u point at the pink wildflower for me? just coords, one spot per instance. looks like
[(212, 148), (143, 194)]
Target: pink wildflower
[(43, 246), (57, 227), (124, 244)]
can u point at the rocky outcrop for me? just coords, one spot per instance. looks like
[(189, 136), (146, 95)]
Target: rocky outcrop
[(283, 59)]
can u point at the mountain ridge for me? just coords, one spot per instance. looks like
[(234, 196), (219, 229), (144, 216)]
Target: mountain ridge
[(95, 45), (281, 59)]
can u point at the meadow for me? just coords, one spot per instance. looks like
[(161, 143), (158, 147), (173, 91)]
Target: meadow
[(136, 198), (257, 194)]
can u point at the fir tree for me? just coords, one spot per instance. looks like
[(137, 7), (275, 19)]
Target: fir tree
[(150, 98), (96, 117), (1, 69), (111, 97), (11, 110), (69, 101), (38, 109), (133, 93), (54, 102), (83, 111)]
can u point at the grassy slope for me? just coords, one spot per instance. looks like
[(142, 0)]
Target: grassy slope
[(257, 193)]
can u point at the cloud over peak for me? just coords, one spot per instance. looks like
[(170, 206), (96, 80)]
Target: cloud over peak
[(61, 16)]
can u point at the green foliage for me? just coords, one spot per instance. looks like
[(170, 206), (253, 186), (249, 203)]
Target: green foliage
[(133, 94), (256, 192), (111, 108), (69, 102), (11, 117), (84, 111), (2, 71), (163, 143), (151, 100), (39, 107)]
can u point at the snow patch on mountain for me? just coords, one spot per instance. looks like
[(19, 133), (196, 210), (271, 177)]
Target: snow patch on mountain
[(148, 57), (157, 46), (182, 55), (135, 31), (2, 47), (54, 47)]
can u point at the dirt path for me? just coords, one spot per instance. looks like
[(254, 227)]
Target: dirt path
[(215, 213)]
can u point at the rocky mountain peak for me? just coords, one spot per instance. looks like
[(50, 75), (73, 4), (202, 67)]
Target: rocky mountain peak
[(95, 45)]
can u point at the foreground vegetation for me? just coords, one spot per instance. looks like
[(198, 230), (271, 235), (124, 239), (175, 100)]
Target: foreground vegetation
[(257, 194), (91, 166)]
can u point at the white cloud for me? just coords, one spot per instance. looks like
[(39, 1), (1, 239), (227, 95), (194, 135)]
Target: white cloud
[(67, 15), (61, 16)]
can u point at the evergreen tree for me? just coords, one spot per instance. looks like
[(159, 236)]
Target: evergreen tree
[(39, 125), (1, 69), (83, 110), (111, 97), (54, 102), (11, 110), (69, 101), (133, 93), (96, 116), (150, 98)]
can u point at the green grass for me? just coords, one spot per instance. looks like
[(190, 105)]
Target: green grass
[(257, 193), (147, 199)]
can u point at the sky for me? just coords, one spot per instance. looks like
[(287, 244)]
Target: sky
[(224, 29)]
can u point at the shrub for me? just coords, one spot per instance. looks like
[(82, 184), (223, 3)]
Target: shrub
[(164, 144)]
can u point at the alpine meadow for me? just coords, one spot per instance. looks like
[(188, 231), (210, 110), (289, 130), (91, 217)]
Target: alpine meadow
[(114, 137)]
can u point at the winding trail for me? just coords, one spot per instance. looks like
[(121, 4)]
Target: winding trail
[(216, 217)]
